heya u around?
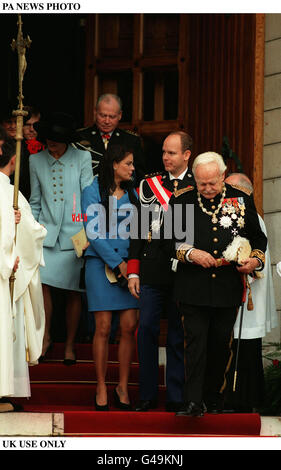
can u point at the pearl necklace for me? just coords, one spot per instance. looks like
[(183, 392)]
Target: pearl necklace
[(213, 214)]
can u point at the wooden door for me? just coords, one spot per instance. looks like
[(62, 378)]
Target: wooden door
[(202, 73)]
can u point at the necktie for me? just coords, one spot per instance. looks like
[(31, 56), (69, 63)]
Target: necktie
[(105, 138)]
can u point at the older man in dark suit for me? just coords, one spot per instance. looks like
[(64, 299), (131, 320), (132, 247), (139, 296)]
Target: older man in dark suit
[(105, 133), (208, 284)]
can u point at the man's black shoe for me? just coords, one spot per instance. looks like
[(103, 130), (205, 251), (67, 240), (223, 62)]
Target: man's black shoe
[(191, 409), (145, 405), (174, 406)]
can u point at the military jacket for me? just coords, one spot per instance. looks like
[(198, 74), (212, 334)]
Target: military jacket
[(90, 139), (217, 286), (149, 255)]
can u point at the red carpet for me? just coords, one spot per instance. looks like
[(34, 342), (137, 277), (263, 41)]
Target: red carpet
[(71, 390)]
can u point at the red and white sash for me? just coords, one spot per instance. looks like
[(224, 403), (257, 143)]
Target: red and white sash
[(162, 194)]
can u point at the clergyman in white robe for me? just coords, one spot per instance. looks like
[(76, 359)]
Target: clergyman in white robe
[(263, 318), (22, 325), (256, 323)]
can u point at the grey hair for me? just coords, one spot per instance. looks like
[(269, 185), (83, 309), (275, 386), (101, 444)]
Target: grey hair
[(209, 157), (107, 97)]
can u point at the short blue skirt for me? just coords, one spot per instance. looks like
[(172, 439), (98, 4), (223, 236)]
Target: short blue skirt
[(102, 294), (62, 268)]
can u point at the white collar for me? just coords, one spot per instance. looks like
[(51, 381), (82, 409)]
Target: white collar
[(180, 177), (4, 178)]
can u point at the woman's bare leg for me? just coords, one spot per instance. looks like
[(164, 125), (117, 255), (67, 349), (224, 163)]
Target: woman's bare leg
[(73, 313), (128, 324), (100, 353)]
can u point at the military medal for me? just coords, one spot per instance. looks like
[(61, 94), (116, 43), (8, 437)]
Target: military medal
[(242, 210), (155, 225), (225, 221), (157, 222), (240, 222)]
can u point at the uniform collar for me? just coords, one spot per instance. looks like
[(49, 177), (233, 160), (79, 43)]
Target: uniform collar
[(180, 177), (103, 133)]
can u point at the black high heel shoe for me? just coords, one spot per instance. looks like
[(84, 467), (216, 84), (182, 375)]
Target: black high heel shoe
[(119, 404), (100, 407), (43, 356), (69, 362)]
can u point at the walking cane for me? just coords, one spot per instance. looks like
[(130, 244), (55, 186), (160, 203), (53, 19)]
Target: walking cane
[(240, 330)]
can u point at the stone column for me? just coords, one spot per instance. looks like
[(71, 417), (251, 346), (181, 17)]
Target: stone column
[(272, 152)]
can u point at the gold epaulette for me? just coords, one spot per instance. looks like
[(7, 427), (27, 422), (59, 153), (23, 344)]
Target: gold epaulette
[(84, 142), (179, 192), (131, 132), (156, 173), (242, 188)]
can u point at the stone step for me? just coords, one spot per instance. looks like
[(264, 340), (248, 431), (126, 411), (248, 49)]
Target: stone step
[(52, 424)]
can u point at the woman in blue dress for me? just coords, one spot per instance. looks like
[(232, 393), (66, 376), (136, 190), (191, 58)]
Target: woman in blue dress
[(109, 206), (58, 175)]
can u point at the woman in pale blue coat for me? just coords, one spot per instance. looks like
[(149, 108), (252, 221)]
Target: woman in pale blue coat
[(58, 175), (109, 205)]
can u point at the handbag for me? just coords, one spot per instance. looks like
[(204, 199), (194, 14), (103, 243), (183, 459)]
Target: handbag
[(113, 275)]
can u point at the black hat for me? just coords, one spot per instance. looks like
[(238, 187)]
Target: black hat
[(59, 127)]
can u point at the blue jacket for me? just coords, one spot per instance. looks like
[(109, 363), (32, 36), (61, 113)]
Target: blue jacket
[(56, 187), (111, 249)]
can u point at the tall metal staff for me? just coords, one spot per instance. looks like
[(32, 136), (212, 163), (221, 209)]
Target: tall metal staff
[(20, 44)]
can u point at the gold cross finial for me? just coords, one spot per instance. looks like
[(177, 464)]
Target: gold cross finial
[(20, 44)]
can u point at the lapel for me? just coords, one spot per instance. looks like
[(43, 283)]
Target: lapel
[(169, 184), (97, 142), (115, 137)]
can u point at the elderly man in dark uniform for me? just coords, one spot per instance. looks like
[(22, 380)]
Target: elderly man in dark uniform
[(105, 133), (151, 277), (209, 281)]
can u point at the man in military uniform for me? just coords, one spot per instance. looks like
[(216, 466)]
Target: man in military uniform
[(209, 285), (151, 277), (105, 133)]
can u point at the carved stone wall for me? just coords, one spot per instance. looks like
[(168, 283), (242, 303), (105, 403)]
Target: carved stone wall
[(272, 152)]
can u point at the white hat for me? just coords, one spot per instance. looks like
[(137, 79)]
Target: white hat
[(278, 268)]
